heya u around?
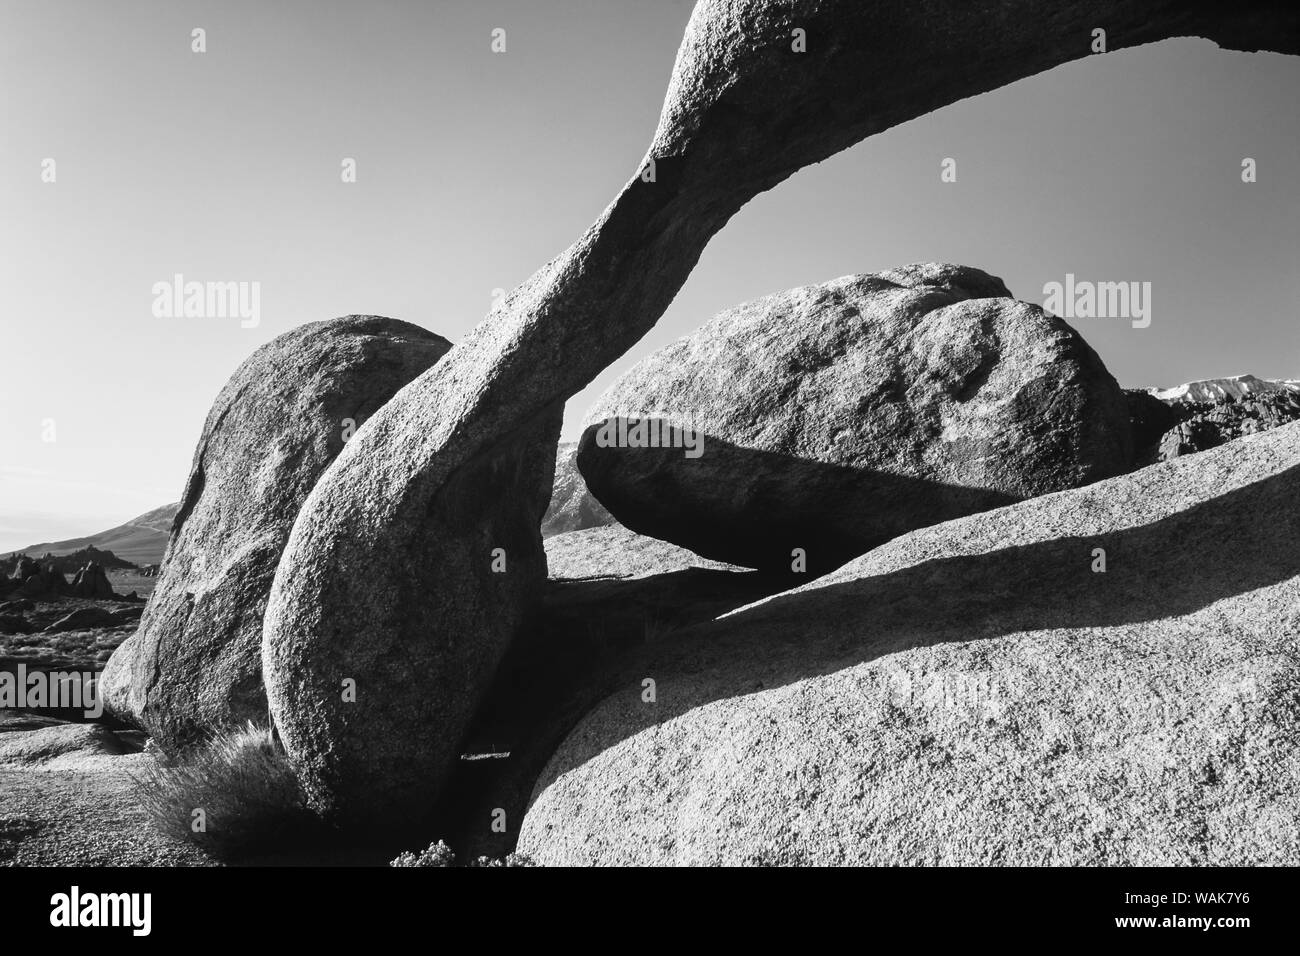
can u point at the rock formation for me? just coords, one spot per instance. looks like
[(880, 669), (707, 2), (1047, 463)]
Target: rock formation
[(114, 682), (745, 109), (823, 421), (48, 583), (195, 665), (573, 507), (30, 579), (1209, 414), (1105, 676), (374, 722), (611, 592), (92, 582), (68, 561), (24, 569)]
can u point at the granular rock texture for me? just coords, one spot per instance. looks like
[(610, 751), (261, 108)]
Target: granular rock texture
[(980, 692), (831, 418), (194, 666)]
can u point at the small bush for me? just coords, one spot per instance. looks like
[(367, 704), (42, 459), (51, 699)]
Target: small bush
[(512, 859), (438, 854), (242, 783)]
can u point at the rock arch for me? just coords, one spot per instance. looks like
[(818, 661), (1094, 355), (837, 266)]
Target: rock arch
[(406, 500)]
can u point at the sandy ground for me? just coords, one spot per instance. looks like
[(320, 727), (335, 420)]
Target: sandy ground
[(124, 582), (84, 817), (67, 798), (73, 806)]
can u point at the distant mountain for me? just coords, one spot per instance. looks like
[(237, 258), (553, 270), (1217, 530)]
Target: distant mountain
[(572, 507), (68, 563), (1170, 422), (141, 540), (1235, 387)]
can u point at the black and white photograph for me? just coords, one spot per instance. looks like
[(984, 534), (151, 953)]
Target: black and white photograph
[(559, 434)]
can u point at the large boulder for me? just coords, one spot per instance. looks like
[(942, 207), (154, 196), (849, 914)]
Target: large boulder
[(113, 686), (980, 692), (195, 665), (35, 581), (745, 109), (26, 567), (1149, 419), (834, 417), (373, 686)]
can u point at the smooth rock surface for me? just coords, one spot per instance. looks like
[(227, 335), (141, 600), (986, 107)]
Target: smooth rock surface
[(114, 682), (975, 693), (831, 418)]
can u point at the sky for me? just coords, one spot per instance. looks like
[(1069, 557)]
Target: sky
[(474, 167)]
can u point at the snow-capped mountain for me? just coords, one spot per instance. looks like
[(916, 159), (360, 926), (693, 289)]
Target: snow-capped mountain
[(1219, 389)]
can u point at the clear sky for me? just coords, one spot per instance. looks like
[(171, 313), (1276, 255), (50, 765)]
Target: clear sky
[(474, 168)]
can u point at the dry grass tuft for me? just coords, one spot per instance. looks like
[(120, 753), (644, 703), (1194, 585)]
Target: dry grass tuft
[(233, 795)]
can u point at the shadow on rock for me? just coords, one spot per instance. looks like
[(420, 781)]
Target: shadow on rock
[(1219, 548), (733, 503), (587, 640)]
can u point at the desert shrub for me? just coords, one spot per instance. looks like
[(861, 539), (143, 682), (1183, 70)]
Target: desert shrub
[(240, 781), (437, 854), (512, 859)]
